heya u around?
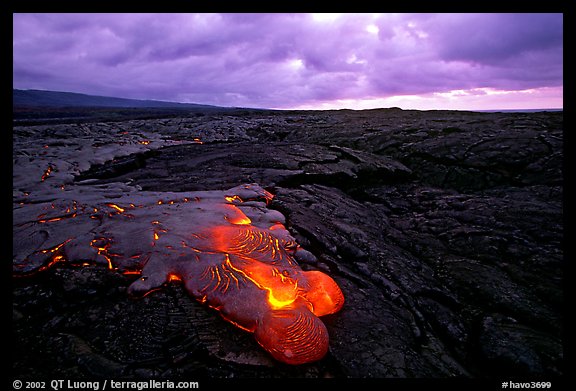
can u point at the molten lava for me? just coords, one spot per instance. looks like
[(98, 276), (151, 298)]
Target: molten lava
[(227, 249), (46, 173)]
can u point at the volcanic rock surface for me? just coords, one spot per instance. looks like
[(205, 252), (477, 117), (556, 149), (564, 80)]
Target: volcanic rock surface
[(443, 230)]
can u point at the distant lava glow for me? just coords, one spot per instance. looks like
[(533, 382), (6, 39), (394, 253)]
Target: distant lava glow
[(227, 248)]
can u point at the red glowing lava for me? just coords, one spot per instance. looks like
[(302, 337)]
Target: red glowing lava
[(227, 249)]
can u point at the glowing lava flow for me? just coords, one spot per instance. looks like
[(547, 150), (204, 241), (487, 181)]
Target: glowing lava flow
[(249, 275), (227, 248)]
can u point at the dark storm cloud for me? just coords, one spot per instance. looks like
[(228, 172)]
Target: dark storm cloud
[(283, 60), (496, 39)]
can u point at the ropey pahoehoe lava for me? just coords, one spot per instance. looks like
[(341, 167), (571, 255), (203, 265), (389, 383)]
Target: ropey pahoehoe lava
[(228, 249)]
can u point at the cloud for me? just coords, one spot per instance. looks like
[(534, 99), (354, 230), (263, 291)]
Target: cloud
[(494, 39), (285, 60)]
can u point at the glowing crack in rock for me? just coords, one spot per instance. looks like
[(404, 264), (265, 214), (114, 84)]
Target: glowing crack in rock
[(227, 248)]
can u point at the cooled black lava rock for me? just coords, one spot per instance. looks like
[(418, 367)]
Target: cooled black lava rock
[(443, 229)]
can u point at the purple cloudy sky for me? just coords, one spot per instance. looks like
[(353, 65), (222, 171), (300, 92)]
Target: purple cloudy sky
[(311, 61)]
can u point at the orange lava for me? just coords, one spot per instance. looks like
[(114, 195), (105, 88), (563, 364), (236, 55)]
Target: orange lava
[(227, 249)]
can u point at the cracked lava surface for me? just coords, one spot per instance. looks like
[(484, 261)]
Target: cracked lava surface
[(226, 247)]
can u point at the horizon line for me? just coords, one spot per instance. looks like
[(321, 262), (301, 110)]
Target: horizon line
[(494, 110)]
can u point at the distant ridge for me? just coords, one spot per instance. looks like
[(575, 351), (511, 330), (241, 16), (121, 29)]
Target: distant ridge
[(42, 98)]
